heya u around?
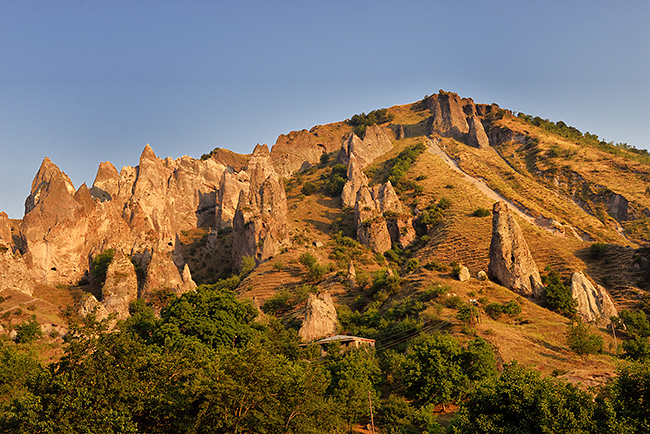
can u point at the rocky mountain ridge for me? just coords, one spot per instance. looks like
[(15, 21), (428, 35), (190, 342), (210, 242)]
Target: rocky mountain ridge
[(165, 219)]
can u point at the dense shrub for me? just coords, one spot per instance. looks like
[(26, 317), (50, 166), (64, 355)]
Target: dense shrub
[(558, 296), (308, 188), (28, 331), (360, 122), (582, 341), (481, 212), (431, 216), (597, 250), (336, 181), (100, 265), (400, 165)]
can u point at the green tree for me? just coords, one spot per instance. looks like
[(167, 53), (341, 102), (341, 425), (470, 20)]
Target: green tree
[(558, 296), (354, 375), (520, 401), (28, 331), (627, 399), (440, 371), (581, 340), (211, 315)]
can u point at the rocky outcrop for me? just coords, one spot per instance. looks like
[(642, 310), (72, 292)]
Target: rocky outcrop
[(5, 230), (14, 273), (232, 185), (320, 318), (352, 275), (163, 274), (464, 274), (618, 207), (374, 144), (120, 287), (301, 149), (107, 182), (511, 263), (260, 221), (593, 302), (477, 136), (356, 180), (448, 117), (89, 304)]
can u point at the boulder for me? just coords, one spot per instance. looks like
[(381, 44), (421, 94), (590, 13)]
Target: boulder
[(477, 136), (89, 304), (593, 302), (482, 276), (511, 263), (464, 274), (320, 318), (352, 275)]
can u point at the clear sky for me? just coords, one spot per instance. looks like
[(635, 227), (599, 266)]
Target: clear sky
[(85, 81)]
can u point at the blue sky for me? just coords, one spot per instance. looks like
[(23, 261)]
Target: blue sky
[(88, 81)]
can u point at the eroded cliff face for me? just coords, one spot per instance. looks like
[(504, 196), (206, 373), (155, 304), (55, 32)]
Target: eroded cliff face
[(260, 221), (140, 211)]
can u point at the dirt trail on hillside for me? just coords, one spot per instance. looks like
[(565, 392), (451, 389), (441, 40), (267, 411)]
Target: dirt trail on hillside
[(435, 149)]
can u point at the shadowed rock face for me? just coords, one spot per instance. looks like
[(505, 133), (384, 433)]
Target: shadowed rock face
[(374, 144), (120, 287), (593, 302), (320, 318), (511, 263), (477, 136)]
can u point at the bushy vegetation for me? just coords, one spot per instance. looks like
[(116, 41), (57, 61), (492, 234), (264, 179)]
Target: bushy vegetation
[(400, 165), (481, 212), (582, 341), (558, 295), (597, 250), (100, 265), (337, 179), (562, 129), (28, 331), (495, 310), (315, 270), (431, 216), (360, 122)]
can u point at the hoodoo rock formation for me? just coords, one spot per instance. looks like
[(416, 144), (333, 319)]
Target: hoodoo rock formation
[(320, 317), (511, 263), (593, 302), (356, 180), (260, 221)]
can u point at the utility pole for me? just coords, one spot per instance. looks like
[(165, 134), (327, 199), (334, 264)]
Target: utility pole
[(372, 419)]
